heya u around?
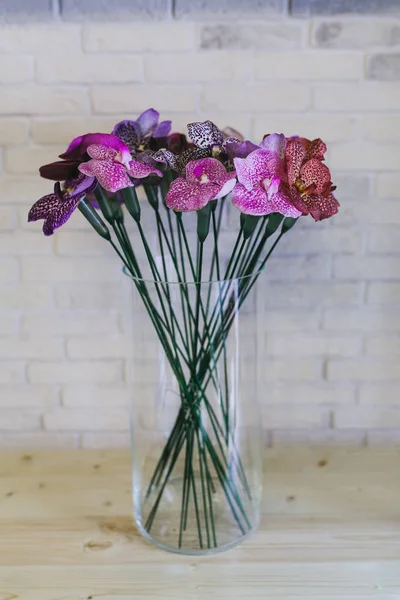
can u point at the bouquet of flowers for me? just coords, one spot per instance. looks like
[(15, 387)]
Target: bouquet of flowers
[(191, 293)]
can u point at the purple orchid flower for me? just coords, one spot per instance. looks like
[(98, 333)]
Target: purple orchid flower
[(57, 208), (206, 179), (76, 153), (113, 167), (137, 134), (261, 177)]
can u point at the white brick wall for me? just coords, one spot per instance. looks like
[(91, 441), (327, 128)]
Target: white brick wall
[(330, 347)]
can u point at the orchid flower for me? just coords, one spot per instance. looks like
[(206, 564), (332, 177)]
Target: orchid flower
[(309, 180), (206, 179), (57, 208), (113, 168), (136, 134), (260, 176)]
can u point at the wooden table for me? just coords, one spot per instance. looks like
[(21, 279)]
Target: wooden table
[(331, 530)]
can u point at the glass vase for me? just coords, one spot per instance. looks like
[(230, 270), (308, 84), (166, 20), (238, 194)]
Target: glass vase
[(195, 424)]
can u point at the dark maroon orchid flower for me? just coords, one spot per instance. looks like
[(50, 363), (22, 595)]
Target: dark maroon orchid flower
[(56, 208)]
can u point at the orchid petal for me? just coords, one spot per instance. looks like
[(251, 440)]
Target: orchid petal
[(322, 207), (147, 121), (205, 134), (101, 152), (314, 172), (236, 148), (259, 165), (163, 129), (295, 155), (112, 176), (211, 168), (227, 187), (129, 132), (254, 202), (79, 145), (184, 196), (139, 170)]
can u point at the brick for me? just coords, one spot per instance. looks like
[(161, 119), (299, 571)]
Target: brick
[(37, 38), (80, 243), (229, 9), (355, 97), (12, 372), (17, 10), (208, 66), (30, 99), (334, 7), (387, 185), (24, 189), (365, 267), (388, 213), (13, 131), (9, 270), (384, 438), (28, 159), (312, 295), (292, 416), (87, 296), (313, 344), (362, 33), (262, 36), (68, 323), (7, 218), (312, 393), (381, 128), (383, 293), (287, 320), (25, 296), (383, 393), (300, 241), (298, 268), (383, 67), (118, 9), (70, 419), (9, 323), (13, 348), (93, 348), (255, 97), (324, 437), (367, 418), (331, 128), (97, 440), (89, 68), (364, 155), (309, 65), (82, 396), (39, 441), (292, 369), (383, 345), (86, 270), (115, 99), (385, 239), (62, 131), (75, 372), (19, 243), (18, 420), (16, 69), (138, 37), (368, 319), (363, 370), (17, 396), (351, 185)]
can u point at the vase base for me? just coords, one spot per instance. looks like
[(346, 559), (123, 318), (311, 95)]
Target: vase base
[(191, 551)]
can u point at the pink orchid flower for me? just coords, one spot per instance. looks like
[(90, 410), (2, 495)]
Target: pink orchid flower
[(261, 176), (113, 166), (309, 180), (206, 179)]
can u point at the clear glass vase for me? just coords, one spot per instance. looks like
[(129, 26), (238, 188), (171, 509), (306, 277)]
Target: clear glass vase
[(196, 428)]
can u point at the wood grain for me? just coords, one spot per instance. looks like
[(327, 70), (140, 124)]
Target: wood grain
[(330, 531)]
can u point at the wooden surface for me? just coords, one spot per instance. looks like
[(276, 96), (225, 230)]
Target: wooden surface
[(330, 530)]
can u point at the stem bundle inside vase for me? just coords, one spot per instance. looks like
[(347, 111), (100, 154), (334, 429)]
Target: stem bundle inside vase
[(192, 288)]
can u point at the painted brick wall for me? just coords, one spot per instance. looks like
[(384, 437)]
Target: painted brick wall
[(331, 301)]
